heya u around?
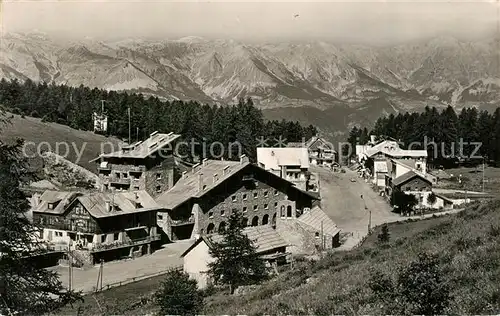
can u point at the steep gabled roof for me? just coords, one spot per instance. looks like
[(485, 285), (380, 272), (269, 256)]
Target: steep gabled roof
[(210, 174), (407, 177), (316, 218), (391, 148), (318, 142), (95, 203), (274, 158), (189, 185), (61, 199), (143, 149), (265, 239)]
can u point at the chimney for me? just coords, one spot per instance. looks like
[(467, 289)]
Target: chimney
[(184, 174), (372, 139), (108, 206), (195, 167), (243, 159), (224, 170), (216, 177), (204, 161), (200, 182), (36, 199)]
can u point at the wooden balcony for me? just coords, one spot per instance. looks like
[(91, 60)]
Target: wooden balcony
[(124, 244), (181, 222), (116, 180)]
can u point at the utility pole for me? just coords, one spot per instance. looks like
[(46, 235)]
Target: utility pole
[(137, 135), (369, 215), (129, 138), (483, 175), (322, 237), (70, 270), (102, 106), (102, 270)]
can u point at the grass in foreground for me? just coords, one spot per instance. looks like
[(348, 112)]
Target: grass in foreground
[(467, 245), (473, 179)]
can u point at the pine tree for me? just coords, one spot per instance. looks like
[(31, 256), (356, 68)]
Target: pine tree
[(236, 261), (24, 288), (484, 134), (179, 295), (384, 235), (496, 137)]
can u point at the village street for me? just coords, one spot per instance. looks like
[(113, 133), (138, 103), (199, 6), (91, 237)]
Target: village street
[(119, 271), (341, 200)]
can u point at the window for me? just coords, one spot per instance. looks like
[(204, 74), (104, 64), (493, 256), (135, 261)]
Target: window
[(125, 175), (255, 207), (158, 188), (158, 176), (116, 236), (222, 212), (275, 192), (244, 209), (211, 215), (266, 206), (233, 198), (160, 217), (103, 238), (265, 194), (244, 197), (316, 235), (255, 195), (275, 204)]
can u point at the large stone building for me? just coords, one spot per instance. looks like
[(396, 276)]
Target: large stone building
[(95, 226), (202, 200), (146, 165), (291, 164)]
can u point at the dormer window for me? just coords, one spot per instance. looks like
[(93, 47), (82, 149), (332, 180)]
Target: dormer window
[(51, 206)]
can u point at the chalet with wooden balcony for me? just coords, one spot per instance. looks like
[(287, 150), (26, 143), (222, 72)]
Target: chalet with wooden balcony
[(202, 200), (146, 165), (103, 225)]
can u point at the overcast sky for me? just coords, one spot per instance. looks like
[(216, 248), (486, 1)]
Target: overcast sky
[(375, 22)]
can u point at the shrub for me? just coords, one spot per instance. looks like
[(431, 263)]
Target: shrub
[(384, 235), (179, 295)]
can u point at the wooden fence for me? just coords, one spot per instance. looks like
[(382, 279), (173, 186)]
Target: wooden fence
[(135, 279)]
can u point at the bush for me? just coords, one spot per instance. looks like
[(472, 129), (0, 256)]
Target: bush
[(384, 235), (179, 295)]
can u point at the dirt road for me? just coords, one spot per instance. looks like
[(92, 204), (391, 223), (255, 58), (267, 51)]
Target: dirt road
[(116, 271), (341, 200)]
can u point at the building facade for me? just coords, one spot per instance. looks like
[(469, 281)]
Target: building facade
[(270, 247), (291, 164), (97, 226), (320, 151), (203, 199), (147, 165)]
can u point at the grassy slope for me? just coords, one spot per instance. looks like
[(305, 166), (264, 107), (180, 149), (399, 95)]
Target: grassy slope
[(468, 245), (473, 179), (32, 129)]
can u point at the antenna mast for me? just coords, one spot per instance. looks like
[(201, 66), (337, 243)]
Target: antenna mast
[(129, 137)]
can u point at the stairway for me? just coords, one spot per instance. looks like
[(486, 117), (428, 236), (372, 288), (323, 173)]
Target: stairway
[(80, 258)]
